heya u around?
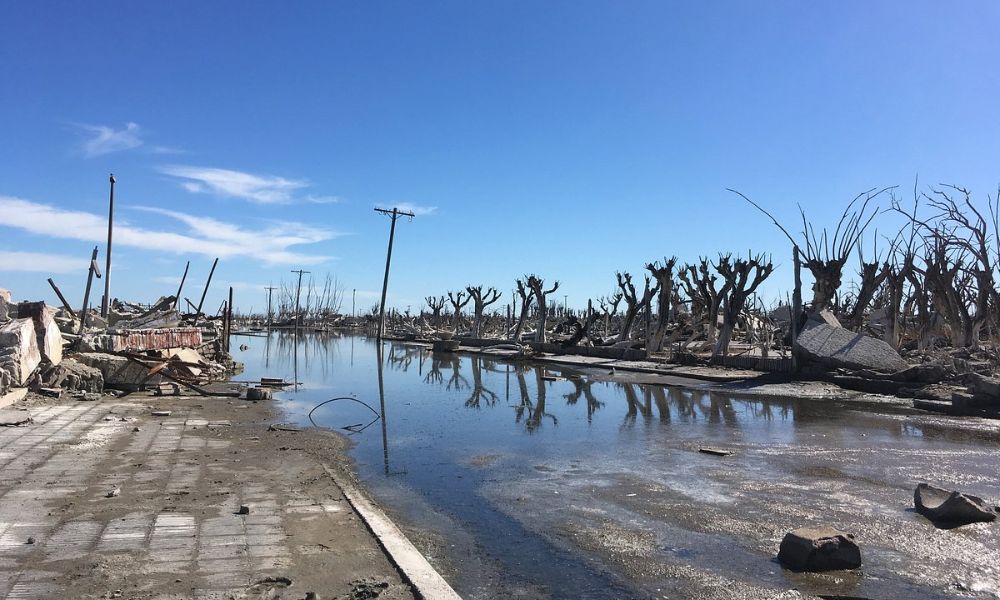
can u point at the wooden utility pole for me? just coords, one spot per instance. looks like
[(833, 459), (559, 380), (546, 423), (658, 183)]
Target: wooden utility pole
[(269, 316), (92, 270), (229, 319), (796, 307), (298, 291), (106, 303), (205, 291), (395, 213), (177, 298), (62, 298)]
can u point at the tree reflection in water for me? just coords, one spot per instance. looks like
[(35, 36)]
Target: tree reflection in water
[(535, 411), (584, 387)]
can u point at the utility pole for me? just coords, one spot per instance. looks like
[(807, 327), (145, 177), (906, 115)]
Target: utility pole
[(269, 317), (298, 290), (394, 214), (565, 305), (177, 298), (354, 297), (106, 304), (205, 291)]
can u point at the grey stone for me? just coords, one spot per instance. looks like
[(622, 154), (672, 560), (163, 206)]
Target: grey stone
[(950, 508), (985, 389), (20, 353), (819, 549), (4, 305), (836, 347), (118, 371)]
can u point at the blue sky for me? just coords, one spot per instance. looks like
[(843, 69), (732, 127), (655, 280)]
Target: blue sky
[(569, 139)]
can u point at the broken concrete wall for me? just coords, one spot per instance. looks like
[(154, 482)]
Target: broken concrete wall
[(50, 340), (135, 340), (72, 375), (119, 372), (19, 353)]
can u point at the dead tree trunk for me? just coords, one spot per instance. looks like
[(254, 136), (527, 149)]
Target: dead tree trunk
[(536, 284), (525, 295), (458, 304), (435, 304), (480, 302), (633, 303), (609, 307), (739, 286), (664, 276), (871, 280)]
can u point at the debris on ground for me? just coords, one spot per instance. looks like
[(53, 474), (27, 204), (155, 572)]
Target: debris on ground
[(949, 509), (817, 549), (364, 589)]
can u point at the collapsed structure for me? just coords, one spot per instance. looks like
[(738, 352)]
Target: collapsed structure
[(136, 347)]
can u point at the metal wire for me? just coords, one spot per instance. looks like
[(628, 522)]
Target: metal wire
[(356, 428)]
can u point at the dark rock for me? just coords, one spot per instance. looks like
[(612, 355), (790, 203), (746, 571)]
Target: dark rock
[(838, 348), (819, 549), (244, 509), (949, 508)]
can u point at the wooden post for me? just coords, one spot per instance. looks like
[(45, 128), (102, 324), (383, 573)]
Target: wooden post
[(62, 298), (229, 319), (205, 291), (177, 298), (91, 271), (796, 303), (106, 304)]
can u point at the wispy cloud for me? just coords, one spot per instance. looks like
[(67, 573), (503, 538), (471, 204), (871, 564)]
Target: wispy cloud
[(322, 199), (104, 139), (205, 235), (37, 262), (416, 209), (262, 189)]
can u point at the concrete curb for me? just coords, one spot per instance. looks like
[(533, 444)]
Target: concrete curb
[(425, 580)]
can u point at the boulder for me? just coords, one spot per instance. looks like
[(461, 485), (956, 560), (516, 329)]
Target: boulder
[(836, 347), (819, 549), (950, 509), (19, 353), (986, 390)]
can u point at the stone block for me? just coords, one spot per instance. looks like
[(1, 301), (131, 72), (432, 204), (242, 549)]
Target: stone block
[(19, 353), (836, 348)]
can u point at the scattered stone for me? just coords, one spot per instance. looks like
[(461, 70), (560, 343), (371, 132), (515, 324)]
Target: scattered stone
[(365, 589), (838, 348), (114, 493), (31, 540), (50, 392), (161, 413), (819, 549), (950, 508), (136, 429), (312, 596), (244, 510)]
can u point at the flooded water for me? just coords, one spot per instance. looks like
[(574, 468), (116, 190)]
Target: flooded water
[(531, 481)]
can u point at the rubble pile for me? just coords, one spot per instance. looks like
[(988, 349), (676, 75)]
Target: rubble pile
[(136, 347)]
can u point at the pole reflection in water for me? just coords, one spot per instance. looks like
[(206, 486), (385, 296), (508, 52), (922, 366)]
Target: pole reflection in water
[(381, 403)]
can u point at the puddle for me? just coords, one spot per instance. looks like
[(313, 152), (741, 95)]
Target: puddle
[(530, 482)]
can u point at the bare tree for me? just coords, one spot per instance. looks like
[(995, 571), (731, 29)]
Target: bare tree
[(609, 307), (435, 303), (480, 302), (825, 255), (536, 285), (526, 297), (458, 304), (632, 302), (664, 275), (742, 278), (699, 283)]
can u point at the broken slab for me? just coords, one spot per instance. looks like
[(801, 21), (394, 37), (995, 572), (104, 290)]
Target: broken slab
[(119, 372), (836, 347), (50, 340), (819, 548), (14, 418), (19, 353), (71, 374), (949, 508), (15, 395)]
